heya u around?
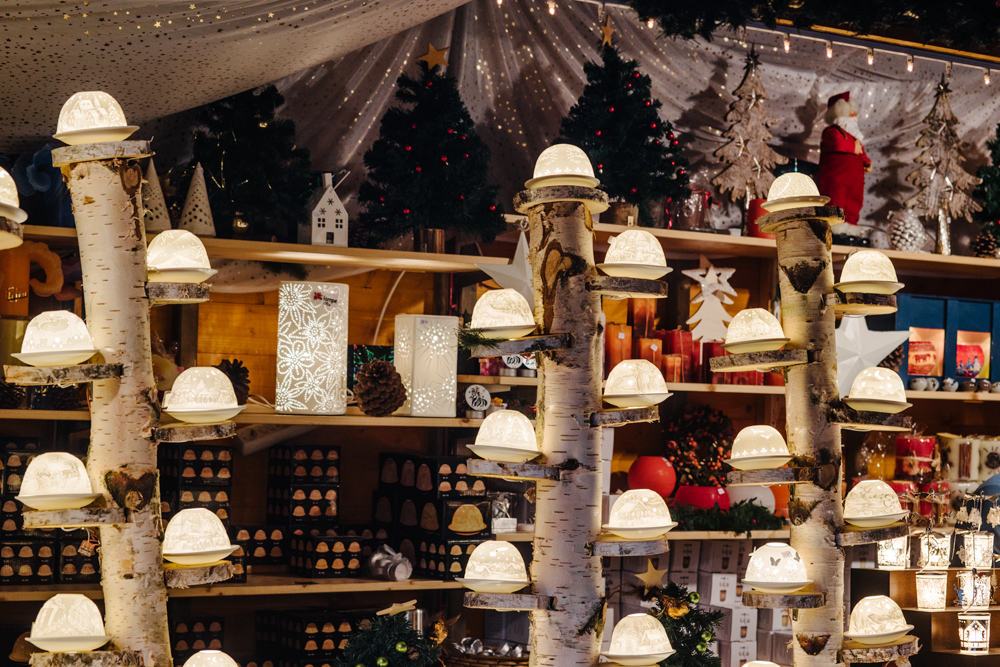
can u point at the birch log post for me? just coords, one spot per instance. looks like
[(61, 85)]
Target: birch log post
[(816, 511), (104, 183), (567, 512)]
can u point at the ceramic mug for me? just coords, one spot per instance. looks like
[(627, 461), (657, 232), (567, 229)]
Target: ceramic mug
[(933, 384), (995, 389), (983, 385), (918, 384), (949, 384), (969, 385)]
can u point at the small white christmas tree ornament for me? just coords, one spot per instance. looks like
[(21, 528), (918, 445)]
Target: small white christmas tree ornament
[(197, 215), (711, 319), (156, 218)]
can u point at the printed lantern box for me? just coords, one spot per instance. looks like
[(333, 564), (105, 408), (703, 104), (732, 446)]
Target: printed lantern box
[(321, 553), (446, 477), (774, 620), (385, 508), (190, 635), (240, 565), (359, 355), (312, 348), (426, 357), (720, 589), (719, 556), (684, 555), (298, 635), (79, 562), (448, 519), (11, 517), (212, 498), (735, 654), (265, 545), (302, 503), (444, 560), (308, 464), (738, 625), (763, 644), (14, 464), (201, 465), (397, 471), (28, 562)]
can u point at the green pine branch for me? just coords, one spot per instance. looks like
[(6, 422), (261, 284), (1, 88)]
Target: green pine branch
[(389, 641), (689, 626)]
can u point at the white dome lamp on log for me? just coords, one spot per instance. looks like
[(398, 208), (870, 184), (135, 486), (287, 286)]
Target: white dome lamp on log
[(639, 514), (56, 481), (68, 623), (178, 256), (56, 338), (202, 395), (639, 640), (11, 215), (507, 436), (635, 253), (196, 536), (495, 567), (502, 314)]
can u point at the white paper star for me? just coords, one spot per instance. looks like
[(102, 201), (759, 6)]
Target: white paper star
[(517, 274), (859, 348)]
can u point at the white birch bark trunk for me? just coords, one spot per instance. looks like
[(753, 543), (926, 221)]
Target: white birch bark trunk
[(567, 513), (107, 206), (816, 513)]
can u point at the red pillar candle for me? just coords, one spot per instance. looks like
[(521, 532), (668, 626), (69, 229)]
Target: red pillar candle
[(914, 454), (651, 350), (753, 212), (617, 345)]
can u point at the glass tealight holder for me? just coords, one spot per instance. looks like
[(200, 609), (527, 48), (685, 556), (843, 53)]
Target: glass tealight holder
[(974, 633), (894, 554), (977, 550), (932, 590), (935, 551), (975, 588)]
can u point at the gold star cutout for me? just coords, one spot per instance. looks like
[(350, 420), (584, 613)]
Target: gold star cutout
[(65, 16), (270, 15), (651, 578), (398, 608), (606, 30), (156, 25), (434, 57), (191, 6)]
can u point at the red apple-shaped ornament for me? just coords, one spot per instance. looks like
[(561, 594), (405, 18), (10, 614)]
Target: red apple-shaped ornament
[(653, 472)]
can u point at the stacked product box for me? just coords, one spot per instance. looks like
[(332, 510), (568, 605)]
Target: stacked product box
[(774, 636), (264, 545), (194, 475), (721, 564), (28, 561), (321, 553), (304, 637), (684, 555), (78, 558), (14, 459), (303, 485), (190, 635)]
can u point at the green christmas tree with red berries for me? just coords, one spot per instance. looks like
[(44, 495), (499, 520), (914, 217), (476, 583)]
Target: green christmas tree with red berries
[(428, 167), (636, 154)]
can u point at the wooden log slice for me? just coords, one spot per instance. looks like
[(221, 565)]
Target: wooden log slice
[(797, 600), (161, 294), (193, 432), (855, 652), (623, 416), (628, 288), (769, 222), (61, 375), (857, 303), (88, 659), (864, 420), (771, 476), (528, 345), (526, 471), (509, 601), (106, 150), (596, 200), (610, 545), (80, 518), (185, 576), (857, 535), (758, 361)]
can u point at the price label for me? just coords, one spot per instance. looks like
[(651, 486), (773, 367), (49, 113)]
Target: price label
[(529, 361), (477, 397), (513, 360)]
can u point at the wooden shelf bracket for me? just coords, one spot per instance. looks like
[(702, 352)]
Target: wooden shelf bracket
[(808, 599), (758, 361), (610, 545), (616, 287), (853, 651), (857, 535), (518, 471), (186, 576), (855, 303), (162, 294), (858, 420), (621, 417), (773, 476), (88, 659)]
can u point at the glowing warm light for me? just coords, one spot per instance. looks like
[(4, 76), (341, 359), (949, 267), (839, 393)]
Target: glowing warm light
[(792, 184), (786, 42), (932, 590), (201, 388), (875, 385), (977, 550), (893, 554), (552, 8), (634, 380), (496, 560), (68, 622), (196, 536), (974, 634), (877, 619), (829, 49), (651, 23), (754, 324), (502, 309), (92, 116), (56, 338), (635, 246), (871, 56), (506, 435), (986, 77), (975, 588), (562, 164), (776, 568), (758, 447), (639, 514), (872, 503), (210, 659), (640, 639), (868, 266), (179, 256), (56, 480), (909, 63), (935, 551)]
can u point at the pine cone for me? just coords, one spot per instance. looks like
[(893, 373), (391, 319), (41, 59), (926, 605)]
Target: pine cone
[(984, 245), (893, 360), (379, 389), (11, 396), (239, 375), (907, 232)]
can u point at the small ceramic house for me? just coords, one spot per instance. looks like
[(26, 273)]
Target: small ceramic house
[(329, 218)]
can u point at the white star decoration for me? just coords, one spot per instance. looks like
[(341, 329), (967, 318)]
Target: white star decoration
[(859, 348), (517, 274)]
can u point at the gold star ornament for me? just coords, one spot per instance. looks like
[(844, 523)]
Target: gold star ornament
[(651, 578), (398, 608), (606, 30), (434, 57)]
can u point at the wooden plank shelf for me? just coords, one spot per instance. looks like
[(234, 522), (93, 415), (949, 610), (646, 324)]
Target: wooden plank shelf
[(509, 601), (863, 420), (80, 518), (181, 432), (527, 345), (513, 471), (257, 414), (46, 415), (807, 599), (528, 536), (852, 651), (622, 416), (88, 659), (616, 287), (610, 545), (758, 361), (506, 380), (771, 476), (186, 576), (162, 294), (854, 303), (60, 375), (854, 535)]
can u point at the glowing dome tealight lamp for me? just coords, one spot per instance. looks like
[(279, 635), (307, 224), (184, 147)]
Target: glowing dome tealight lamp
[(210, 658), (868, 271), (56, 481), (759, 447), (196, 536), (177, 256), (754, 330), (635, 383), (56, 338), (68, 623), (562, 164), (495, 567), (871, 504), (635, 253), (877, 619), (776, 568), (877, 390), (503, 314), (639, 514), (202, 395), (793, 190), (92, 116), (10, 205), (637, 640), (507, 436)]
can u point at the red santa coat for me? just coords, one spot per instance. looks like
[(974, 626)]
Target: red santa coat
[(841, 174)]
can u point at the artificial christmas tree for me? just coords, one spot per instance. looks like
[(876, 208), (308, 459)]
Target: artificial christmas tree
[(636, 154), (389, 641), (427, 169), (156, 218), (748, 158), (987, 193), (689, 626)]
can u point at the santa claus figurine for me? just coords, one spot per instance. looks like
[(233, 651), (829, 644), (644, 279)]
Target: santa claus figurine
[(842, 159)]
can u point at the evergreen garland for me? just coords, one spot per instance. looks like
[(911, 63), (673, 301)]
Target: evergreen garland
[(389, 641), (635, 154), (428, 167), (742, 517), (689, 627), (987, 193)]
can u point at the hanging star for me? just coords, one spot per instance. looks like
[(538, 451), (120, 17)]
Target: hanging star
[(606, 30), (434, 57), (651, 578), (398, 608), (859, 348), (517, 274)]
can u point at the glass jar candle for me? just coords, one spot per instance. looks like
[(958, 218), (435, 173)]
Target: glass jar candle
[(932, 590), (974, 633), (975, 588), (935, 551), (894, 554), (977, 550)]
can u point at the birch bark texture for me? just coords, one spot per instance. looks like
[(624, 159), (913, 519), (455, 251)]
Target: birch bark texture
[(105, 187), (567, 512), (816, 511)]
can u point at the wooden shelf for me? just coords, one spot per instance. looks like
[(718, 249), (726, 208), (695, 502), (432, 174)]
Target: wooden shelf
[(255, 414), (269, 584), (47, 415), (508, 380), (294, 253), (754, 389), (528, 536)]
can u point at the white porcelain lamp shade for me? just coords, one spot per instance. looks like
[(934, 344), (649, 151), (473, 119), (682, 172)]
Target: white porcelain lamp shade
[(202, 395), (639, 639), (56, 338), (425, 353), (877, 619), (495, 567), (639, 514), (10, 204), (776, 568), (878, 390), (562, 164), (872, 503), (507, 436), (635, 253), (635, 383), (177, 256), (196, 537), (754, 330), (210, 658), (56, 481), (68, 623), (503, 313), (868, 271), (793, 190), (92, 116), (759, 447)]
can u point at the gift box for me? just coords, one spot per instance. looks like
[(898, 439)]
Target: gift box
[(720, 589), (681, 342), (446, 477), (15, 463), (190, 635), (359, 355), (738, 625), (11, 517), (290, 464), (735, 654), (327, 556), (719, 556), (651, 350), (673, 367), (397, 471), (302, 503), (684, 555), (447, 519), (28, 561), (641, 315), (196, 465)]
